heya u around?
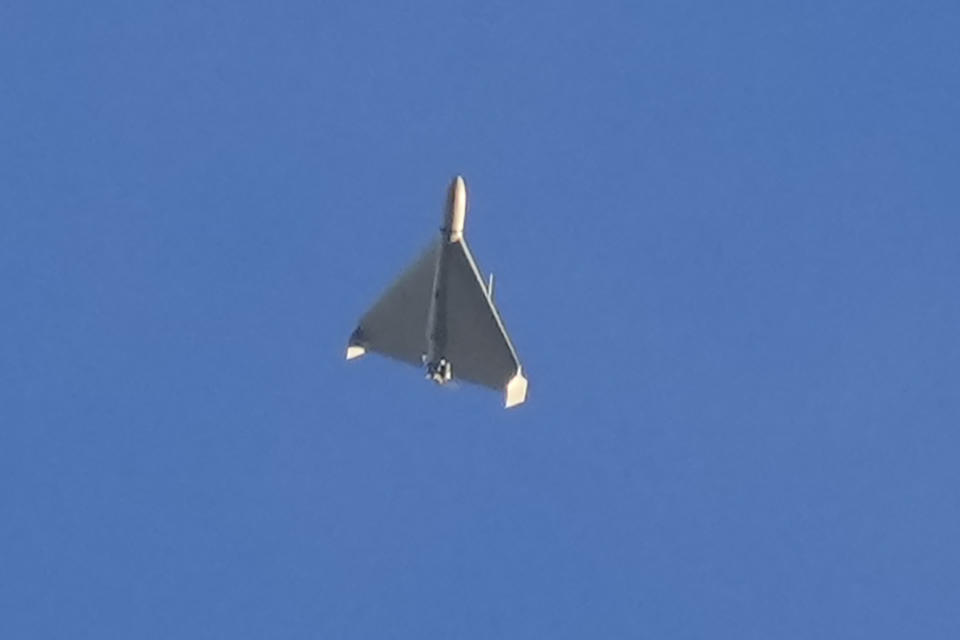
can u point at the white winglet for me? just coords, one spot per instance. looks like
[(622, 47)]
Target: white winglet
[(355, 351), (516, 390)]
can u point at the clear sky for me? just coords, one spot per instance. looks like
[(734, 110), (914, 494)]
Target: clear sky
[(726, 245)]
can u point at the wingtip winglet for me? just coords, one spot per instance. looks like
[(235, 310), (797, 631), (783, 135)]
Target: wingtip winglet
[(516, 390), (355, 351)]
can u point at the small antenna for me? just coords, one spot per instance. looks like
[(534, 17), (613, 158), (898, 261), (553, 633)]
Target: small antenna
[(490, 287)]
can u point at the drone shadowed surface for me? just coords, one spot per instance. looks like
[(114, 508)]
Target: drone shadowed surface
[(725, 246)]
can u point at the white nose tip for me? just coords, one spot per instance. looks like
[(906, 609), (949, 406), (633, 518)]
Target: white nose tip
[(457, 208)]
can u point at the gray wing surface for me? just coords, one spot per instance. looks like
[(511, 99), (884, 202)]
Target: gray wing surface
[(396, 324), (478, 347)]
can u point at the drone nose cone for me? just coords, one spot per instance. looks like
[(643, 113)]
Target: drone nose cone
[(456, 208), (459, 188)]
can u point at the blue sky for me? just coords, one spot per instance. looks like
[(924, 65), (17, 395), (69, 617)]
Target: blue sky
[(726, 242)]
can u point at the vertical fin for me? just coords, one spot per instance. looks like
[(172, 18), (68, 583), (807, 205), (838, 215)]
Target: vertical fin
[(516, 390)]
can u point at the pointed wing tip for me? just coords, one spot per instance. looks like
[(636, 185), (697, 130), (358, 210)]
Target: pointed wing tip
[(355, 351), (516, 390)]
